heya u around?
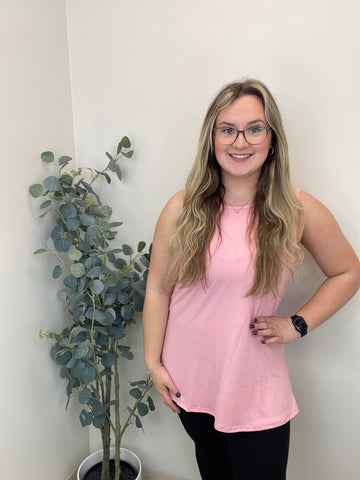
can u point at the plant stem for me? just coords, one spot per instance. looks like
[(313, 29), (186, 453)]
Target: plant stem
[(105, 433), (117, 419)]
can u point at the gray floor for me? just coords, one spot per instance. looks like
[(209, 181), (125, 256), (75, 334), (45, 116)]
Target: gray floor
[(150, 475)]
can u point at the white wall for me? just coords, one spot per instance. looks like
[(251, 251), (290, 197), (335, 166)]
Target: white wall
[(149, 69), (39, 439)]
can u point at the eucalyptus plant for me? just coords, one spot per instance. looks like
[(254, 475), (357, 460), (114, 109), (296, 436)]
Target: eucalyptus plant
[(103, 286)]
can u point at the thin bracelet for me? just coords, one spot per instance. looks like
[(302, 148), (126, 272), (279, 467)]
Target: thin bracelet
[(155, 368)]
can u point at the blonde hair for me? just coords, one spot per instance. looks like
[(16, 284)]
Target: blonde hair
[(276, 222)]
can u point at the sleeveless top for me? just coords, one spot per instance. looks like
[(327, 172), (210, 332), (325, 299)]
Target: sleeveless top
[(219, 367)]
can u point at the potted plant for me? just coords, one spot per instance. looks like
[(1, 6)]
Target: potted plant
[(104, 288)]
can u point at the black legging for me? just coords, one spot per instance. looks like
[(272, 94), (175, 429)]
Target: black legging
[(260, 455)]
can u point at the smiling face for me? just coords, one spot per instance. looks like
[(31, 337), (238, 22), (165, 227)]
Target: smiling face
[(241, 160)]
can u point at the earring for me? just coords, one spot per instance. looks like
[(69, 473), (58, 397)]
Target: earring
[(271, 151)]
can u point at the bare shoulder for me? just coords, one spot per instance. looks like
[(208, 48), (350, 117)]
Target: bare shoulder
[(323, 237), (170, 213), (312, 205), (173, 208), (175, 204), (165, 228), (316, 214)]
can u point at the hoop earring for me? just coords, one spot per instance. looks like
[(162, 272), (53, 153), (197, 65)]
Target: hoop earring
[(271, 151)]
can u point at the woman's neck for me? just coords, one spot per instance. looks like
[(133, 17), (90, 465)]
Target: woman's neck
[(239, 191)]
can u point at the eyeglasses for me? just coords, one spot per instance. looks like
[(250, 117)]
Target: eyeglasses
[(252, 135)]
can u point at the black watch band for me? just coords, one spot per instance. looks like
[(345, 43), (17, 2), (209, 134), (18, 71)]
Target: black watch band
[(299, 324)]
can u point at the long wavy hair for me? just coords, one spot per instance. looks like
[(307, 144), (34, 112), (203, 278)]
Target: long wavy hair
[(276, 221)]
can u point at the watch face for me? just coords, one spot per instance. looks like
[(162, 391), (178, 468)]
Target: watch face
[(299, 324)]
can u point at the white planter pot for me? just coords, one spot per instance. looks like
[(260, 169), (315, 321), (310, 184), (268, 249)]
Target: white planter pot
[(96, 457)]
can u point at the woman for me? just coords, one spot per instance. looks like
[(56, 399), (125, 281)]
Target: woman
[(222, 253)]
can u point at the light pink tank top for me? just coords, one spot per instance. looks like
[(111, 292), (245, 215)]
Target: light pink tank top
[(217, 364)]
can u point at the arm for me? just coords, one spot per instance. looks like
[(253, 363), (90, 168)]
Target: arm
[(323, 238), (156, 307)]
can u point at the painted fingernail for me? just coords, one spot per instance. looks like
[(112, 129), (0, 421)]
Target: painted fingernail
[(252, 326), (263, 342), (255, 333), (255, 320), (178, 394)]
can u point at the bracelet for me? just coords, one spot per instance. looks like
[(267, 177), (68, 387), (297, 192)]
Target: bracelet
[(155, 368)]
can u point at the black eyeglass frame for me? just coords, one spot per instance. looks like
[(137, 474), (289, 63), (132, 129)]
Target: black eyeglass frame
[(243, 132)]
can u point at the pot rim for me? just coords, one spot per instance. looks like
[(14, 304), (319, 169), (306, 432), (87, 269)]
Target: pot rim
[(126, 455)]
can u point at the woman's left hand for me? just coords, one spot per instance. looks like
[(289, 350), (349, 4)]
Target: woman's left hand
[(274, 329)]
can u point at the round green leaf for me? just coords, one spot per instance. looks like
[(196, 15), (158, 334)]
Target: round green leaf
[(141, 246), (85, 418), (143, 409), (81, 351), (127, 312), (62, 244), (128, 154), (120, 263), (123, 298), (52, 184), (92, 262), (110, 298), (64, 159), (77, 270), (95, 272), (84, 246), (74, 254), (98, 421), (93, 230), (125, 142), (87, 374), (66, 178), (63, 296), (86, 219), (144, 260), (67, 210), (98, 286), (70, 282), (127, 354), (127, 250), (72, 224), (108, 359), (57, 271), (84, 396), (36, 190), (116, 331), (138, 302), (135, 392), (47, 157), (57, 232)]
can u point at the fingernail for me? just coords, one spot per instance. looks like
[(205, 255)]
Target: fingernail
[(255, 320), (252, 326), (263, 342), (255, 333), (178, 394)]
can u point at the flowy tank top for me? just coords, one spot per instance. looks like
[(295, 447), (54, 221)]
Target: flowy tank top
[(219, 367)]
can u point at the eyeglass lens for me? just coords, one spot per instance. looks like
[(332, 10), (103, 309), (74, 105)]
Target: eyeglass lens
[(253, 135)]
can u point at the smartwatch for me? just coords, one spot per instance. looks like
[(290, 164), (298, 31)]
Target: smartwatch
[(299, 324)]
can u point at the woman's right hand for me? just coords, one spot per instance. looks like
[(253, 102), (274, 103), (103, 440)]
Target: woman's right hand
[(164, 385)]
